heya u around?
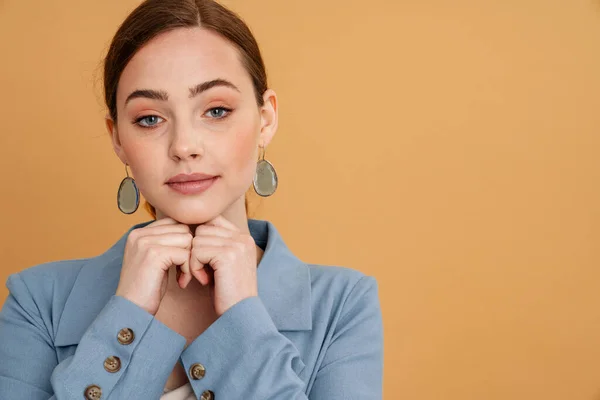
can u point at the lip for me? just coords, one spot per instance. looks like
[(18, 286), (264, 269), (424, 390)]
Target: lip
[(197, 176), (191, 183)]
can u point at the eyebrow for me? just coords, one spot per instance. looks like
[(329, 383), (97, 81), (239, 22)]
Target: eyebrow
[(194, 91)]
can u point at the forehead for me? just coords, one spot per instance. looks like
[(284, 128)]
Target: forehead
[(182, 58)]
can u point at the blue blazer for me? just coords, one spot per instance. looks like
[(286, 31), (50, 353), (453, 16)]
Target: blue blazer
[(313, 332)]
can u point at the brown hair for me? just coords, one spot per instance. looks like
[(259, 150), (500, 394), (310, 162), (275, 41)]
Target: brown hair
[(153, 17)]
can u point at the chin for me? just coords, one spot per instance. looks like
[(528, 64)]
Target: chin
[(190, 216), (196, 210), (193, 212)]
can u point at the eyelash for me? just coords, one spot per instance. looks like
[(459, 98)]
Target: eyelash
[(227, 111), (138, 120)]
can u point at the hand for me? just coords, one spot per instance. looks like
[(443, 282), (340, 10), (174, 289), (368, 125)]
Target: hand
[(149, 254), (225, 258)]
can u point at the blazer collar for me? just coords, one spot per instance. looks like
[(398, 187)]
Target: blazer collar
[(283, 285)]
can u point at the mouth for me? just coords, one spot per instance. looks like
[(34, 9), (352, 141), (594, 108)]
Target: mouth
[(196, 176), (191, 185)]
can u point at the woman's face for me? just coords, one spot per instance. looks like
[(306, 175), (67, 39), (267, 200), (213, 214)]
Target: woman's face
[(186, 104)]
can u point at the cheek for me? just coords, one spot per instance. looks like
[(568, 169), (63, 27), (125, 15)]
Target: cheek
[(243, 151), (140, 158)]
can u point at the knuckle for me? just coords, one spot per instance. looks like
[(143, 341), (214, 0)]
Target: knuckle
[(231, 256), (152, 251), (241, 246), (249, 240), (196, 267), (133, 236), (142, 242)]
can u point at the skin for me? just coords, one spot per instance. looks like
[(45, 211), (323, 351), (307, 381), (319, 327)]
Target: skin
[(218, 132)]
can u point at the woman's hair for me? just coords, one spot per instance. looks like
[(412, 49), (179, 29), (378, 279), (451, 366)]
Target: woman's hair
[(153, 17)]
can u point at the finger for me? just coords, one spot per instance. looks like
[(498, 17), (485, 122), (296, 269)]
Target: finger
[(221, 221), (180, 258), (203, 258), (165, 228), (179, 239), (214, 241), (213, 230), (161, 226), (171, 256), (185, 278), (157, 230), (197, 269), (163, 221), (204, 275)]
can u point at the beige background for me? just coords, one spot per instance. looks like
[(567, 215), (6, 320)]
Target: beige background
[(448, 148)]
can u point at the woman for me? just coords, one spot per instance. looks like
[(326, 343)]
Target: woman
[(200, 302)]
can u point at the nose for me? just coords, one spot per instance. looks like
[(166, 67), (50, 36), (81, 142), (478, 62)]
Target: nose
[(185, 143)]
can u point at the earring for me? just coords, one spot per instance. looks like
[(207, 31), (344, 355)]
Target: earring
[(128, 196), (265, 178)]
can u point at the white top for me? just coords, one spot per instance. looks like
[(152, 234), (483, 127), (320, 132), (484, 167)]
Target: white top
[(184, 392)]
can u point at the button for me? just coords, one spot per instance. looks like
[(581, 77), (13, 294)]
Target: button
[(112, 364), (125, 336), (197, 371), (93, 392), (207, 395)]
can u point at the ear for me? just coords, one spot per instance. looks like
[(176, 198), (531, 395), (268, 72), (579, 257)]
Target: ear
[(268, 117), (111, 126)]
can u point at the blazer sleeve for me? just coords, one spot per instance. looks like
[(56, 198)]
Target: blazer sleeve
[(245, 356), (30, 370)]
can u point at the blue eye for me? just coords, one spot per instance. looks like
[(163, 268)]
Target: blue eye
[(218, 112), (149, 121)]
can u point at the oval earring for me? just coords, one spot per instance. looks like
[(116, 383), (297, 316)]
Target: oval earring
[(128, 196), (265, 178)]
